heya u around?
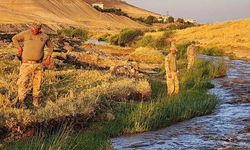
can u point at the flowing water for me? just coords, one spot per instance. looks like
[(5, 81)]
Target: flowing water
[(226, 127), (93, 41)]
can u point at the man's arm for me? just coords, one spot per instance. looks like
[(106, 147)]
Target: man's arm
[(188, 51), (15, 40), (167, 67), (50, 47), (18, 37)]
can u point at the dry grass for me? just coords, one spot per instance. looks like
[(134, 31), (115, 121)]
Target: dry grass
[(66, 92), (230, 33), (116, 50), (155, 35), (149, 55), (231, 36)]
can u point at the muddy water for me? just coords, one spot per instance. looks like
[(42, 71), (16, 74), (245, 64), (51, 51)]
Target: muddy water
[(226, 127)]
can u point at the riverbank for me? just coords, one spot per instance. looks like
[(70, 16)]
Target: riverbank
[(227, 127), (135, 115)]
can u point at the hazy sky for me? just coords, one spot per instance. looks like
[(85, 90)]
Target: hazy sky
[(203, 11)]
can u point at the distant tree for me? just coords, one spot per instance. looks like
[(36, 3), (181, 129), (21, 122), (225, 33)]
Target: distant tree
[(180, 20), (150, 19), (140, 19), (170, 19), (98, 8)]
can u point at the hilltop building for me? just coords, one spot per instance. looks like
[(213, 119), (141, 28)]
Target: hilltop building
[(99, 4), (164, 18), (190, 20)]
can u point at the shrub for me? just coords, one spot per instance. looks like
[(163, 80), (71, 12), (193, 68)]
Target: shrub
[(104, 37), (74, 32), (128, 35), (167, 33), (150, 19), (232, 56), (176, 26), (146, 41), (170, 19), (149, 30), (160, 43), (114, 39), (213, 51)]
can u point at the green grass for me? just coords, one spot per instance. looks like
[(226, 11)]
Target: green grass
[(212, 51)]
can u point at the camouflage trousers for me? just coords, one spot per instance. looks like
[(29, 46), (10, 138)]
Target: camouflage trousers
[(30, 72), (190, 63), (173, 83)]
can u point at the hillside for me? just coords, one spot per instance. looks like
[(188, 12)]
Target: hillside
[(57, 13), (131, 10), (232, 36)]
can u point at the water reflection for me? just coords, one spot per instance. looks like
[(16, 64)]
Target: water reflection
[(93, 41)]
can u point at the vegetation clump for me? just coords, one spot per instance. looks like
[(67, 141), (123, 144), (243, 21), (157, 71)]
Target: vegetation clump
[(74, 32), (126, 37)]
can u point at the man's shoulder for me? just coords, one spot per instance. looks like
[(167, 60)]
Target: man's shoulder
[(44, 34), (167, 57), (22, 34), (25, 32)]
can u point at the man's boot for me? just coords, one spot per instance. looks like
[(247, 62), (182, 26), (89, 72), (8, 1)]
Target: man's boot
[(22, 104), (35, 101)]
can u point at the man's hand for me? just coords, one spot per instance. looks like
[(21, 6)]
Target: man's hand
[(177, 73), (20, 51), (47, 61), (169, 76)]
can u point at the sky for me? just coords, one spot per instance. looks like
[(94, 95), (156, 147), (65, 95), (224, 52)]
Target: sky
[(203, 11)]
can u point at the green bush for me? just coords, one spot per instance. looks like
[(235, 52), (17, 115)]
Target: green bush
[(104, 37), (150, 19), (168, 33), (232, 56), (113, 40), (176, 27), (213, 51), (126, 36), (160, 43), (146, 41), (149, 30), (74, 32)]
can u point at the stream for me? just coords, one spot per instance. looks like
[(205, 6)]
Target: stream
[(226, 128)]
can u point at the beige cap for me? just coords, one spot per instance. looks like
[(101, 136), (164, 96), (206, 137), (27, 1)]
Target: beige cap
[(36, 25)]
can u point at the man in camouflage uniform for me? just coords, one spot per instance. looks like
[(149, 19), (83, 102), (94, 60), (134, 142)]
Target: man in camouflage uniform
[(32, 67), (191, 55), (172, 72)]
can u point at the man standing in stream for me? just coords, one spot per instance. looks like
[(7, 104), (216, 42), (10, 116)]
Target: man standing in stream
[(32, 66)]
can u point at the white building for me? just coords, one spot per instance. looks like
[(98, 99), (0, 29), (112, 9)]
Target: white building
[(190, 20), (163, 18), (99, 4)]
